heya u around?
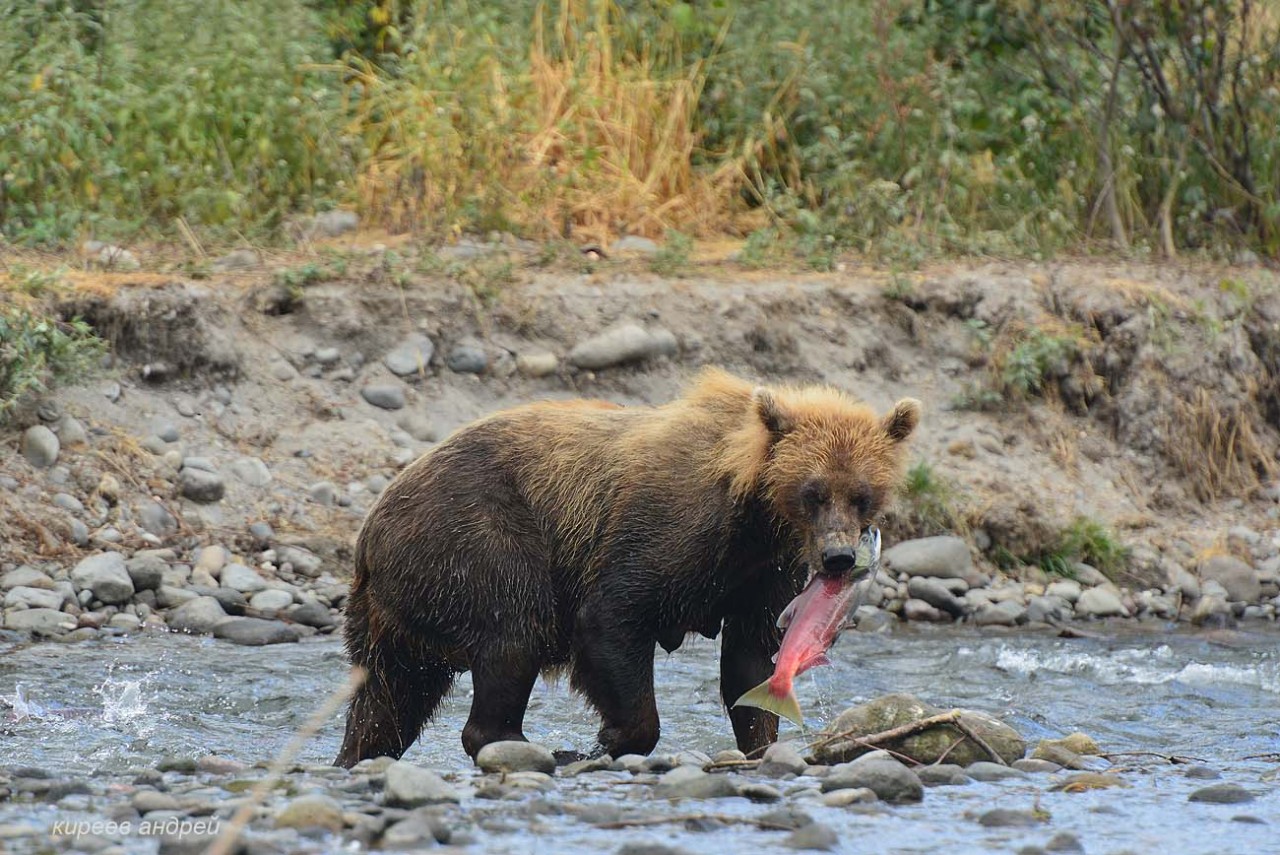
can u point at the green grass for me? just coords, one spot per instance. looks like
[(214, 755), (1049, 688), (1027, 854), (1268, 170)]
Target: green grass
[(1084, 541), (672, 258), (38, 351), (930, 499)]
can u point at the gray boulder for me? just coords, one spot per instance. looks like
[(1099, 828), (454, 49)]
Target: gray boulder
[(1238, 578), (944, 556), (198, 616), (409, 786), (243, 579), (146, 570), (39, 621), (105, 576), (255, 632), (936, 594), (411, 355), (782, 758), (201, 486), (926, 746), (384, 396), (1100, 602), (690, 782), (25, 577), (32, 598)]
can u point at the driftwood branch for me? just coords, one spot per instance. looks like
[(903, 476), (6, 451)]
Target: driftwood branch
[(979, 741), (1173, 759), (640, 822)]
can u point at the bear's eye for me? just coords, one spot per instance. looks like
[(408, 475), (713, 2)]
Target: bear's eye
[(861, 502), (815, 494)]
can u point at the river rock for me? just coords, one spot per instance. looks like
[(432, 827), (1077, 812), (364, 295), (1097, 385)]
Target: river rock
[(467, 357), (251, 470), (782, 758), (1211, 610), (243, 579), (854, 796), (890, 780), (272, 599), (1004, 613), (411, 786), (255, 632), (936, 594), (32, 598), (985, 770), (1221, 794), (311, 811), (690, 782), (1066, 589), (198, 616), (942, 775), (25, 577), (620, 344), (149, 801), (943, 556), (1238, 578), (1081, 781), (105, 576), (540, 363), (927, 746), (515, 756), (411, 355), (1064, 841), (1100, 602), (813, 837), (40, 446), (146, 570), (920, 611), (312, 614), (384, 396), (1048, 609), (1036, 766), (201, 486), (1010, 818), (155, 519), (39, 621)]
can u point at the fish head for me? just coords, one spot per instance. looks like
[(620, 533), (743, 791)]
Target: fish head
[(832, 468)]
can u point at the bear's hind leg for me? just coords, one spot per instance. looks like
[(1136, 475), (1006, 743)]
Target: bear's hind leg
[(613, 668), (502, 683), (399, 694)]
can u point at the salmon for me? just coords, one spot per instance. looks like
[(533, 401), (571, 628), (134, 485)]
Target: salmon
[(812, 622)]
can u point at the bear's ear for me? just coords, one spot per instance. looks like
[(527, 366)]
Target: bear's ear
[(900, 423), (771, 414)]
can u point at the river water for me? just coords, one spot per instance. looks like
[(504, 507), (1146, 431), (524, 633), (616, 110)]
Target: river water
[(107, 706)]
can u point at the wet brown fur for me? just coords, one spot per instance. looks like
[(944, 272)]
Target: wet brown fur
[(579, 534)]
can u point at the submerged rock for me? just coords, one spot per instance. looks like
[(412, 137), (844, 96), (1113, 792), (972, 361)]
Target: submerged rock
[(690, 782), (890, 780), (411, 786)]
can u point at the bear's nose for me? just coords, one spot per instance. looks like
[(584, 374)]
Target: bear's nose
[(838, 559)]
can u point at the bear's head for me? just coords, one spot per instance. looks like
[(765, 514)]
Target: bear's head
[(830, 465)]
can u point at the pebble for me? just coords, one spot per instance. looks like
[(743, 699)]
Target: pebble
[(515, 756), (146, 801), (1064, 841), (105, 576), (846, 797), (201, 486), (71, 432), (1035, 765), (621, 344), (146, 570), (1203, 773), (758, 792), (324, 493), (40, 446), (384, 396), (1221, 794), (411, 355), (156, 519), (411, 786), (1006, 613), (942, 775)]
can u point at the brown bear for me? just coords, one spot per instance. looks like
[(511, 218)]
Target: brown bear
[(577, 535)]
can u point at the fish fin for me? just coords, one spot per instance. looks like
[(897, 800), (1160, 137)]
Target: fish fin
[(784, 619), (813, 662), (787, 707)]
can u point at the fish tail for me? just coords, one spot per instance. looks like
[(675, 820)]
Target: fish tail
[(763, 697)]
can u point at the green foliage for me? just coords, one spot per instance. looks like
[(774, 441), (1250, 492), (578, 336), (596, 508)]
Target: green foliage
[(1032, 360), (672, 258), (137, 112), (37, 351), (930, 498), (1084, 541)]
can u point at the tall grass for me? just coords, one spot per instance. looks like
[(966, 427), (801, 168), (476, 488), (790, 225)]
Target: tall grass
[(583, 133)]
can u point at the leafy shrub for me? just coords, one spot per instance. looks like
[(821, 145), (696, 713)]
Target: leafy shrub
[(37, 351), (1085, 541)]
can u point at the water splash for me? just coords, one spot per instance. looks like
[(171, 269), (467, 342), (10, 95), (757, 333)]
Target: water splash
[(122, 700), (20, 706)]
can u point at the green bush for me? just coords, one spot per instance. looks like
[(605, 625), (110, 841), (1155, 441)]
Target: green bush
[(136, 112), (37, 351)]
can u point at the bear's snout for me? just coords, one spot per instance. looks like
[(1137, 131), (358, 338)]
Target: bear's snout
[(838, 560)]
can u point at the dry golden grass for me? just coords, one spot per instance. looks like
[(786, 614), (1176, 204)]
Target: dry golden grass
[(1215, 448), (585, 139)]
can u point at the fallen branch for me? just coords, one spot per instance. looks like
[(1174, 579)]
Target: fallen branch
[(640, 822), (891, 734), (979, 741), (1273, 756), (716, 766), (1172, 759)]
